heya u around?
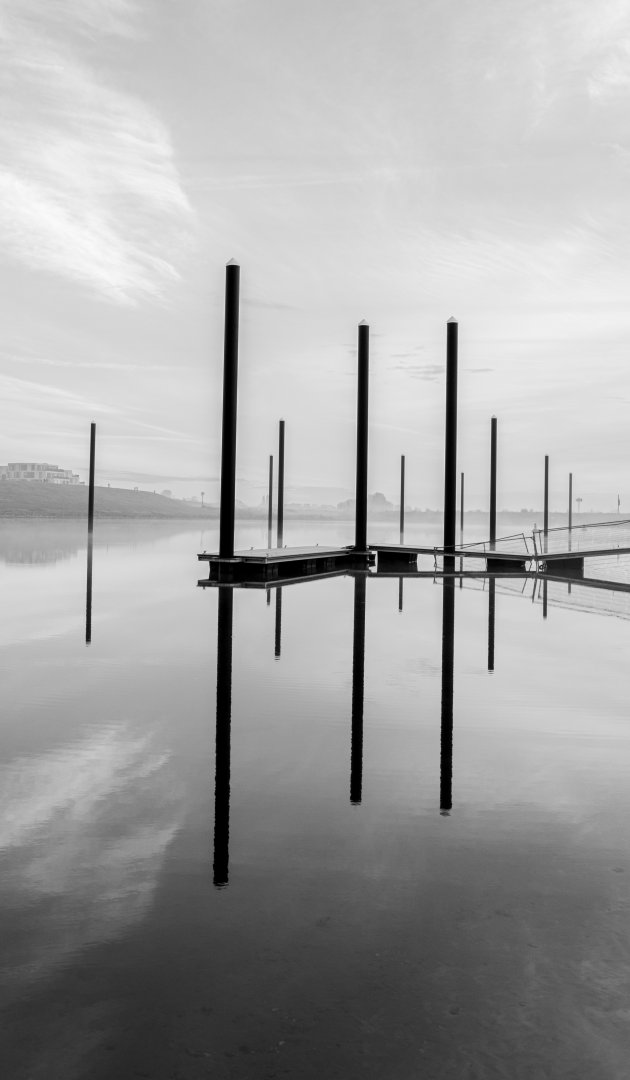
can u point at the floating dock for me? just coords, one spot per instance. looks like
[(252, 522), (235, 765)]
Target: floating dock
[(283, 564)]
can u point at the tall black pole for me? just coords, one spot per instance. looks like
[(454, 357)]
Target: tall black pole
[(446, 725), (570, 500), (461, 509), (491, 618), (228, 431), (91, 479), (280, 522), (493, 481), (358, 690), (402, 498), (360, 533), (546, 501), (461, 527), (270, 502), (223, 737), (450, 448)]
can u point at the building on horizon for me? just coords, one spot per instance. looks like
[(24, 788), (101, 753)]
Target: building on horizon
[(42, 473)]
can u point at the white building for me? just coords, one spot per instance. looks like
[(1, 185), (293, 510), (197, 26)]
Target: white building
[(41, 472)]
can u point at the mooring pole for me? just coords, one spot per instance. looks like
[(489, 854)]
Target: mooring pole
[(358, 690), (570, 500), (223, 737), (402, 498), (446, 722), (493, 482), (228, 430), (546, 501), (270, 502), (360, 531), (91, 480), (280, 522), (461, 527), (461, 509), (450, 448)]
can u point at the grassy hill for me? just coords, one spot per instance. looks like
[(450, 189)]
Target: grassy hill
[(26, 499)]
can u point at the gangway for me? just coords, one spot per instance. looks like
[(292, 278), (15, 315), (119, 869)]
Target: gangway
[(558, 552)]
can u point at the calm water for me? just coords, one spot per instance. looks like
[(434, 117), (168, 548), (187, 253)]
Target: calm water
[(263, 879)]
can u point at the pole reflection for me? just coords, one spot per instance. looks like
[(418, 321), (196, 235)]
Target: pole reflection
[(278, 634), (223, 736), (491, 618), (88, 592), (446, 729), (400, 593), (358, 689)]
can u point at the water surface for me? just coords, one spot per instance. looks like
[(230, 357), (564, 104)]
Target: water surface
[(339, 844)]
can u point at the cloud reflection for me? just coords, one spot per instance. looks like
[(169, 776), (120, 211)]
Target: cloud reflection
[(83, 832)]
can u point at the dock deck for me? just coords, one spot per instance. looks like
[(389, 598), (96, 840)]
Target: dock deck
[(270, 564)]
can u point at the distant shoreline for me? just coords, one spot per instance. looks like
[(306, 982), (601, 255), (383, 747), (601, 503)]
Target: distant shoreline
[(23, 499)]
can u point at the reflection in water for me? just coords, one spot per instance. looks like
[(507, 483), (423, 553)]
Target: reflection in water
[(223, 725), (400, 593), (88, 592), (491, 611), (278, 636), (84, 829), (446, 735), (545, 599), (358, 687)]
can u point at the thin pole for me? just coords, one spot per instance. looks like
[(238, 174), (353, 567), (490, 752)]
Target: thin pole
[(461, 528), (461, 509), (228, 430), (91, 479), (546, 501), (493, 481), (280, 522), (450, 448), (270, 502), (402, 498), (358, 690), (570, 500), (360, 533)]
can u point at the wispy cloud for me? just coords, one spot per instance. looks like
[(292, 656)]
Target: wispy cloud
[(89, 188), (93, 364), (426, 372)]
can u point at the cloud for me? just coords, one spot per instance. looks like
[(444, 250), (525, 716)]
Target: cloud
[(89, 188), (426, 372)]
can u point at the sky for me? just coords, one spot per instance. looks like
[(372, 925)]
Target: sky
[(400, 163)]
